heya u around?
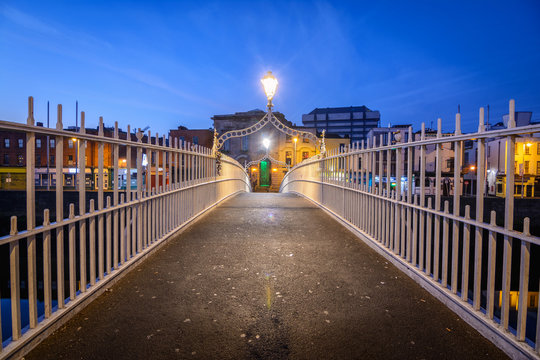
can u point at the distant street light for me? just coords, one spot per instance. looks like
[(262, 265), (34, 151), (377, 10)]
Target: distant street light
[(266, 143)]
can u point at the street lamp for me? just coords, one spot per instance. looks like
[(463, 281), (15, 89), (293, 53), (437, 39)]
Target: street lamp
[(270, 84), (295, 140)]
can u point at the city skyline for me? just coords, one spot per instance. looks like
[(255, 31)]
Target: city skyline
[(165, 65)]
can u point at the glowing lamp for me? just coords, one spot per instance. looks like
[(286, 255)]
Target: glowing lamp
[(269, 83), (266, 143), (295, 140), (472, 167)]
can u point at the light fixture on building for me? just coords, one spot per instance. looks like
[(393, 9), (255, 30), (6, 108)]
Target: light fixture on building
[(473, 167), (270, 84), (266, 143)]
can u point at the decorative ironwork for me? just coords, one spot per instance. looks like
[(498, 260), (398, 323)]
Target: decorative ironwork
[(269, 117), (266, 157)]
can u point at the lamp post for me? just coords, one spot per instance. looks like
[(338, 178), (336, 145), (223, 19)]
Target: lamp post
[(270, 84), (76, 160), (295, 140), (472, 169)]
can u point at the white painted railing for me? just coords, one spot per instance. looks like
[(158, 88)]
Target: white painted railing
[(466, 262), (96, 244)]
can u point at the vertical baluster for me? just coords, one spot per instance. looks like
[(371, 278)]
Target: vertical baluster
[(129, 209), (428, 238), (479, 232), (71, 252), (15, 282), (457, 197), (123, 231), (92, 225), (59, 210), (47, 282), (446, 230), (31, 215), (139, 192), (81, 178), (421, 236), (415, 232), (465, 258), (409, 196), (492, 247), (116, 153), (100, 200), (508, 217), (389, 225), (437, 223), (397, 230), (523, 282), (108, 238)]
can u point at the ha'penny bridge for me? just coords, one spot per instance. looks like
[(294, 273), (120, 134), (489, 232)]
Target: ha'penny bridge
[(189, 263)]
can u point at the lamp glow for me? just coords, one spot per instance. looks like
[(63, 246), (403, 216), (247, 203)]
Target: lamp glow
[(266, 143), (270, 84), (295, 139), (472, 167)]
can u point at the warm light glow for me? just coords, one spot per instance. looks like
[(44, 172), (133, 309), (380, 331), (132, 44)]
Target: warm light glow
[(73, 139), (269, 83), (274, 169), (473, 167), (295, 139), (529, 144), (123, 160), (253, 169), (266, 143)]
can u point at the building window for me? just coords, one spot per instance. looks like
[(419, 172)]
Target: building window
[(20, 160), (182, 139), (38, 143), (538, 148), (6, 160), (305, 155), (226, 145), (196, 140), (288, 138), (450, 164), (527, 150), (38, 159), (516, 169), (306, 140), (526, 167), (70, 158), (52, 143), (70, 143), (21, 143), (538, 168), (288, 157), (489, 151), (51, 159), (245, 143)]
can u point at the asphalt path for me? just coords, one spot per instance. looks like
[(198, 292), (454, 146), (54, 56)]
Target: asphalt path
[(266, 276)]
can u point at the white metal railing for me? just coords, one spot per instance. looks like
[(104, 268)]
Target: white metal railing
[(459, 256), (98, 243)]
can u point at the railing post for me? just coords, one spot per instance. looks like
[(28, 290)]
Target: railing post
[(71, 256), (47, 283), (31, 215), (508, 217), (82, 204), (457, 197), (100, 202), (409, 198), (524, 282), (437, 224), (59, 210), (422, 197), (479, 232), (116, 153), (139, 191)]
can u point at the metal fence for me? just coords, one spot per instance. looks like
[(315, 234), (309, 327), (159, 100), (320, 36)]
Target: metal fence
[(61, 264), (487, 273)]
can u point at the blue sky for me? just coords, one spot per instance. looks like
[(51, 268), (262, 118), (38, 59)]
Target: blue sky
[(168, 63)]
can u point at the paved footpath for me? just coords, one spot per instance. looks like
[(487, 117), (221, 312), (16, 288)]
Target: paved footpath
[(266, 276)]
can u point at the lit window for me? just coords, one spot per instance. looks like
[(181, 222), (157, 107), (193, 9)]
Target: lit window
[(20, 160), (6, 143), (526, 167), (38, 143), (52, 143), (70, 144), (245, 143), (21, 143)]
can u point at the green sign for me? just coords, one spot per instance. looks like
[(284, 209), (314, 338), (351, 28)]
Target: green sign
[(265, 173)]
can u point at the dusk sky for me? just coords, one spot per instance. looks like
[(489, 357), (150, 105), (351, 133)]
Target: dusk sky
[(165, 64)]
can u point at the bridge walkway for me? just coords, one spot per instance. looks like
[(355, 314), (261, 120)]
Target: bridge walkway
[(266, 276)]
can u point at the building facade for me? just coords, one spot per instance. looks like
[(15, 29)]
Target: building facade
[(353, 122)]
